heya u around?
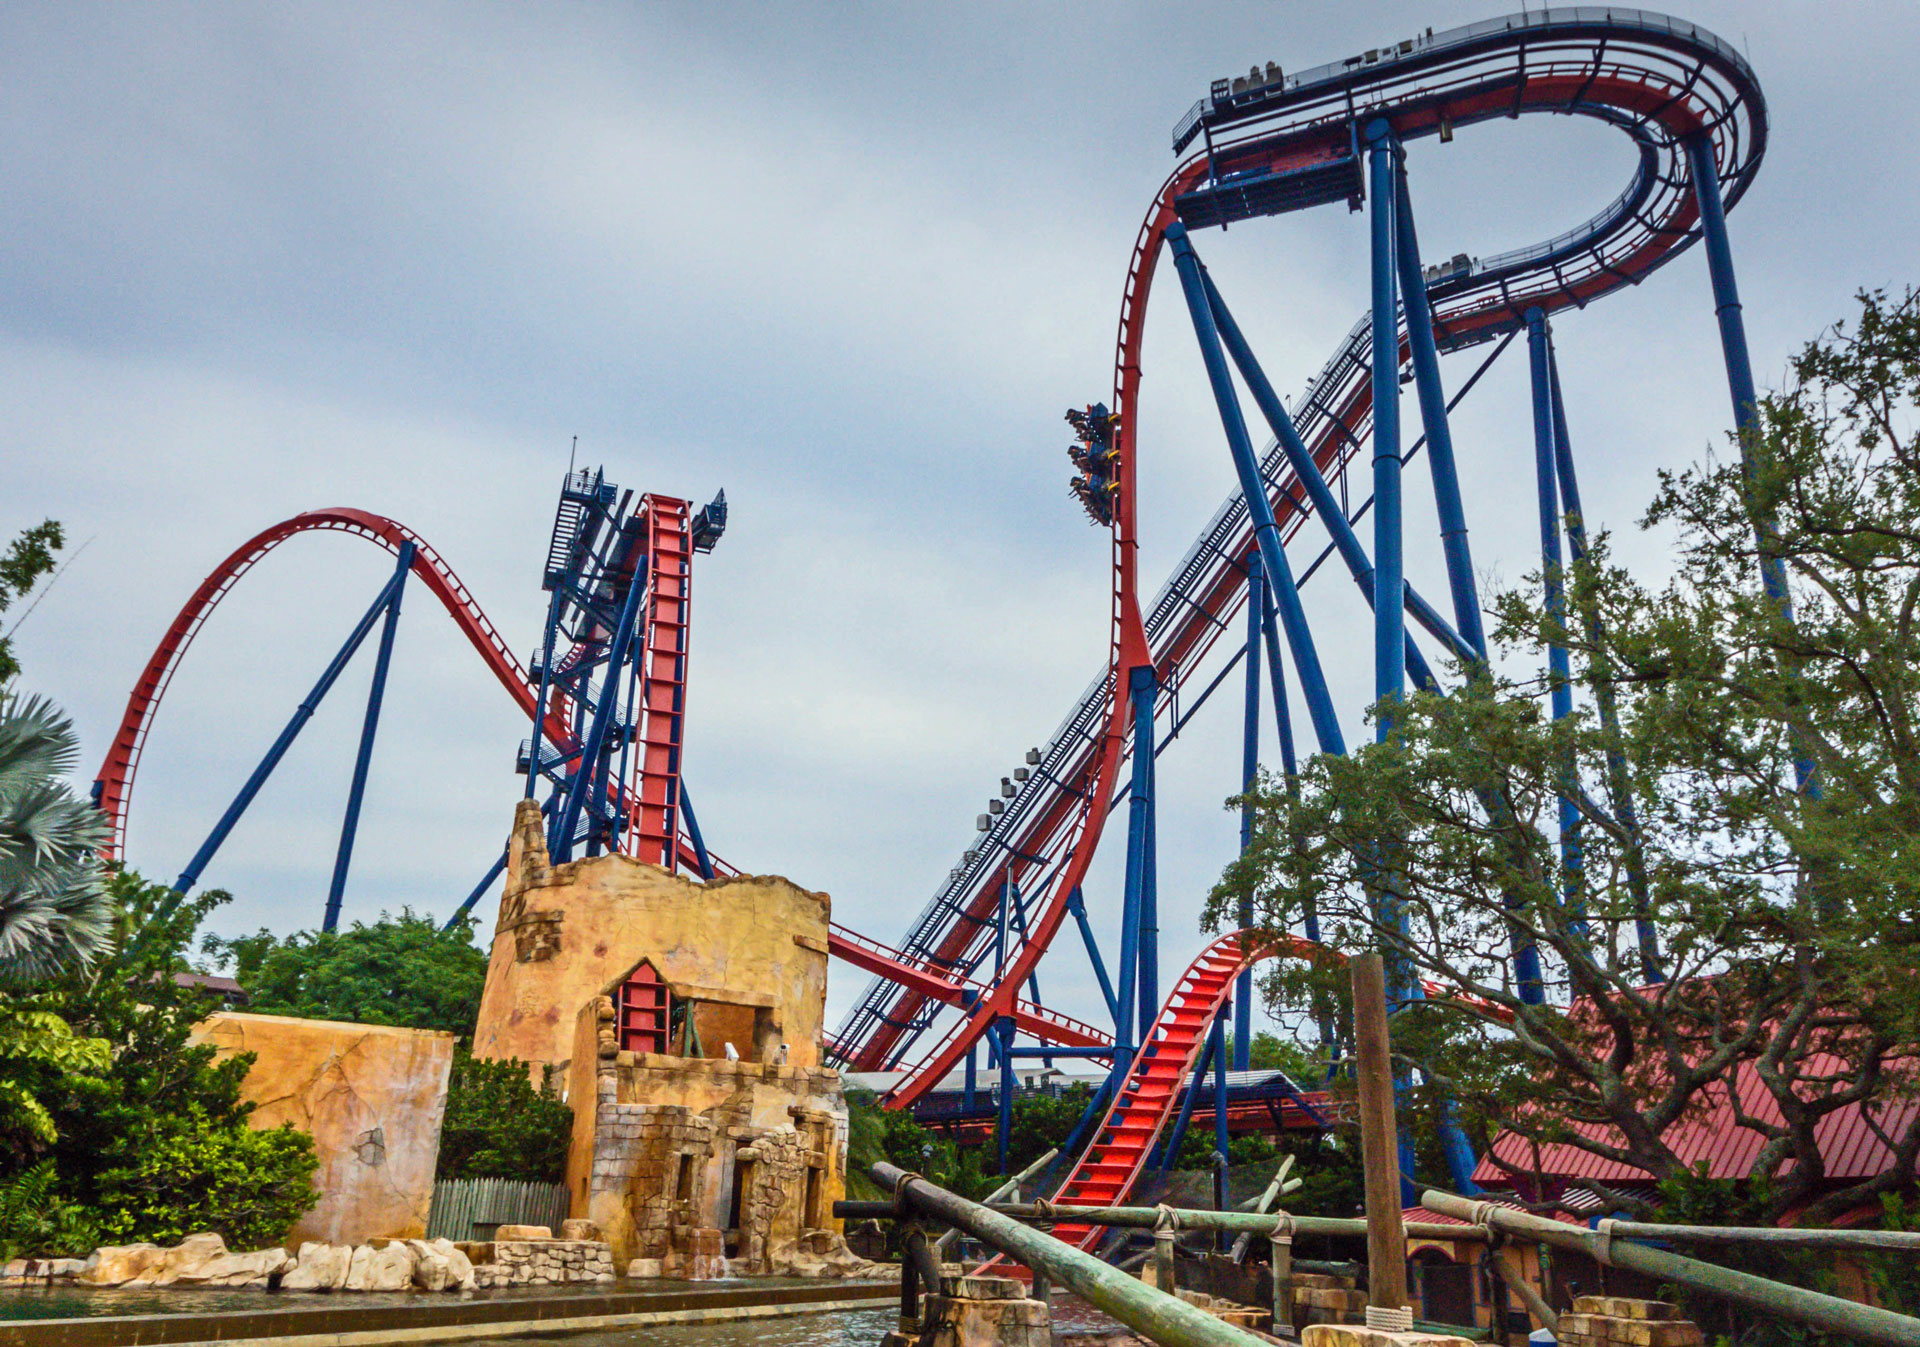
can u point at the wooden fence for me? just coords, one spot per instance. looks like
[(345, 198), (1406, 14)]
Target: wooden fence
[(471, 1208)]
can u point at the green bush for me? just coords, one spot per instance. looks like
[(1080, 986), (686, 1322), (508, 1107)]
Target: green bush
[(197, 1174), (35, 1219), (500, 1126), (148, 1140)]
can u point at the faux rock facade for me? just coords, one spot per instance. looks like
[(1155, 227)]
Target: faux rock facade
[(751, 946), (373, 1099), (704, 1167), (708, 1138), (544, 1262)]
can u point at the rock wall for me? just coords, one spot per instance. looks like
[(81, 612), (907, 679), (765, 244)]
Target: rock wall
[(372, 1097), (752, 945), (660, 1144)]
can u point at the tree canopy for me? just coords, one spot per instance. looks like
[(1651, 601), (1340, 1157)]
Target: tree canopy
[(403, 971), (1787, 916)]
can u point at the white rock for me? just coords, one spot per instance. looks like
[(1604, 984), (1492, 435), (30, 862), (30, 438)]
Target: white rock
[(189, 1260), (390, 1268), (319, 1267), (431, 1269), (357, 1264), (460, 1274)]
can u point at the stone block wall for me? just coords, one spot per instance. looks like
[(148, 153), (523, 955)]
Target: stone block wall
[(661, 1142), (541, 1262)]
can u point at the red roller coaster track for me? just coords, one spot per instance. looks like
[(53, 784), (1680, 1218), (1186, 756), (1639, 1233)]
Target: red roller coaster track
[(664, 675), (114, 785), (1658, 80)]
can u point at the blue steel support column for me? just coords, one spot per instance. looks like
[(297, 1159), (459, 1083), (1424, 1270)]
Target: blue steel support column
[(1306, 659), (1004, 1026), (356, 793), (591, 768), (1321, 495), (1219, 1036), (1433, 417), (1389, 577), (1249, 777), (1146, 994), (1619, 787), (1733, 344), (1389, 587), (968, 1000), (1559, 666), (1078, 907), (479, 891), (1141, 687), (204, 856), (546, 687), (693, 833), (1746, 403)]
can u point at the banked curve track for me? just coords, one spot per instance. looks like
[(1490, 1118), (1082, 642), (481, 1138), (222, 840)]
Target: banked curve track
[(1146, 1099), (114, 784), (1660, 81), (117, 773)]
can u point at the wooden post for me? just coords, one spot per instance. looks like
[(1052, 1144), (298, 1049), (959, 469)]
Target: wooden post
[(1379, 1144), (1282, 1282)]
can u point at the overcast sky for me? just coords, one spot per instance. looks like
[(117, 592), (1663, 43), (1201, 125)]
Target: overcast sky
[(849, 263)]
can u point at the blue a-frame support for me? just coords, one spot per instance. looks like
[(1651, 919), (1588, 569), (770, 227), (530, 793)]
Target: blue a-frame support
[(356, 793)]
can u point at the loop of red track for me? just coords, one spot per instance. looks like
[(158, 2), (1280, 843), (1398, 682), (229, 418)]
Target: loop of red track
[(115, 782), (1657, 101)]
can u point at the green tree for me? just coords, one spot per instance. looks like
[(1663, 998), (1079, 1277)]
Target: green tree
[(876, 1133), (26, 559), (158, 1139), (1789, 921), (402, 971), (499, 1125), (54, 911)]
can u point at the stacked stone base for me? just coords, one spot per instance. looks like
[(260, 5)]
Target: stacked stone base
[(979, 1312), (1250, 1317), (1616, 1321), (1358, 1335), (540, 1262), (1322, 1299)]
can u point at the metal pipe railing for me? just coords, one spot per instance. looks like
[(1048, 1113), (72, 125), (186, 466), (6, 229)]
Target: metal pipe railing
[(1866, 1323), (1189, 1218), (1906, 1241), (1165, 1319)]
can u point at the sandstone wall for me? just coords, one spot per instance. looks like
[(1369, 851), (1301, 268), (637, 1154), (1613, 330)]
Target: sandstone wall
[(373, 1098), (658, 1142), (565, 932)]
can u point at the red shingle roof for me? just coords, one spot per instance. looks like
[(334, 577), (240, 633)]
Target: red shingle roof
[(1713, 1134)]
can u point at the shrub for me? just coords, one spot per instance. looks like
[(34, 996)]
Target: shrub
[(198, 1174), (500, 1126)]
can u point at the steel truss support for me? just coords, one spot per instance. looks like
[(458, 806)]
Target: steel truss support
[(356, 793), (588, 772), (204, 856), (1249, 778), (1273, 556), (1559, 667), (1619, 786)]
